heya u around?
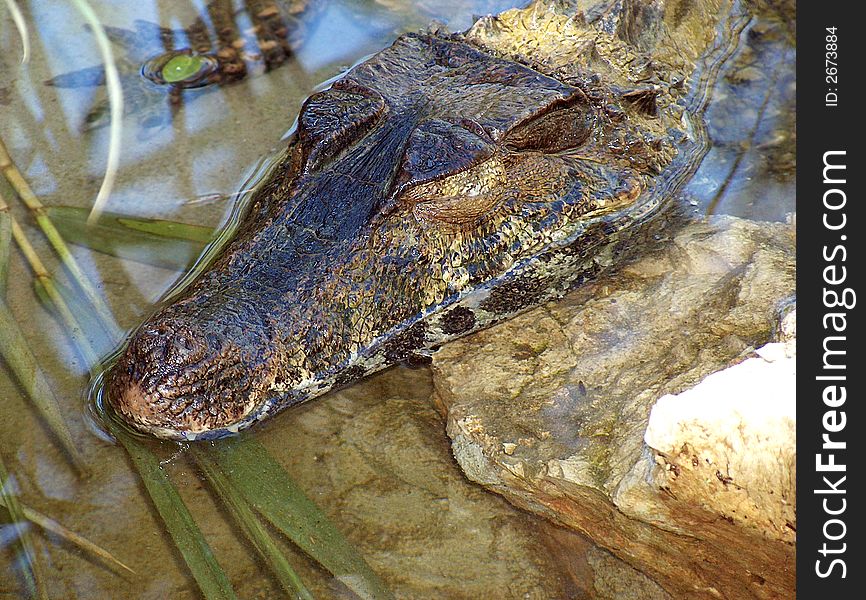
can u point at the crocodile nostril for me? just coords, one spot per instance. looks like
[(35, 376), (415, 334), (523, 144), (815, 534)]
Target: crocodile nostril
[(181, 348), (171, 345), (176, 379)]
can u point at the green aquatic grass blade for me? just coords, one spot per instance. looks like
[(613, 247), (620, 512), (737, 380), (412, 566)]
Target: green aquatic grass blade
[(34, 573), (16, 352), (5, 248), (251, 525), (160, 229), (269, 489), (25, 193), (49, 524), (196, 552), (46, 279), (150, 241)]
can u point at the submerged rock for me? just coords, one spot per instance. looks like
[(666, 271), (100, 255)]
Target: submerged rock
[(374, 457), (552, 409)]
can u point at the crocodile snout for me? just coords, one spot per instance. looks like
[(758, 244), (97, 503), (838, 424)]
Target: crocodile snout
[(175, 380)]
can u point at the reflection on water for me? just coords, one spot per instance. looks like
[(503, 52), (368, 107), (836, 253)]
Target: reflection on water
[(374, 456), (749, 170)]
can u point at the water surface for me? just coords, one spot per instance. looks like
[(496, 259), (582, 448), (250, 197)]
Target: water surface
[(374, 457)]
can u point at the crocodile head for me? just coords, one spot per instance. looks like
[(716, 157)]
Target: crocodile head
[(446, 183)]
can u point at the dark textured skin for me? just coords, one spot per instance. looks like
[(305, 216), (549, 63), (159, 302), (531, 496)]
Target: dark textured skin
[(438, 187)]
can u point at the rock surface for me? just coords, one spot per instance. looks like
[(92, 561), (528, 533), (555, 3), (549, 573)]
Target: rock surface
[(551, 410), (728, 444), (386, 477)]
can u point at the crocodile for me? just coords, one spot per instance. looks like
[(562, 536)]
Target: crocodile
[(161, 66), (446, 183)]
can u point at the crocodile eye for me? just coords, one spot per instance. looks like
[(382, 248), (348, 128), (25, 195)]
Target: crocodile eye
[(561, 126), (331, 120), (437, 149), (181, 69), (450, 174)]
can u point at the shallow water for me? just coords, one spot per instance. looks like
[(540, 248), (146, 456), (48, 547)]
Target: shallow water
[(374, 457)]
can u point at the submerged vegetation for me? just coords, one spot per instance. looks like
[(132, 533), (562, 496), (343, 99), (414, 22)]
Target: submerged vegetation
[(255, 490), (246, 479), (241, 473), (259, 509)]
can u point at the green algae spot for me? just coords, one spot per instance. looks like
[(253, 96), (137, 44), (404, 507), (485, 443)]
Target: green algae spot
[(181, 67)]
